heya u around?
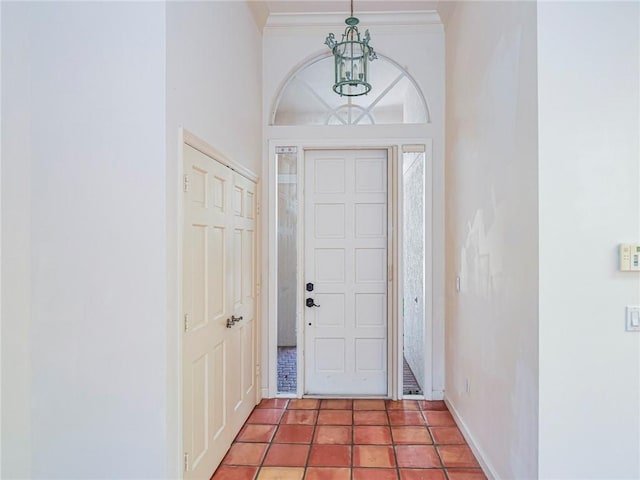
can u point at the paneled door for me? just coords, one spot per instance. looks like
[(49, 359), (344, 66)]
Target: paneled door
[(219, 383), (345, 273)]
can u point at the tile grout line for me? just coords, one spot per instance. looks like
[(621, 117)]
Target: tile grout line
[(433, 440), (393, 443), (313, 432), (353, 441), (275, 432)]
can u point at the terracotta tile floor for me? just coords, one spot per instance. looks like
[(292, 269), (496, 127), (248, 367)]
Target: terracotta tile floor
[(349, 440)]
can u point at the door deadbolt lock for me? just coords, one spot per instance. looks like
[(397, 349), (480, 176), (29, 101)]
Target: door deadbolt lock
[(311, 303), (309, 287)]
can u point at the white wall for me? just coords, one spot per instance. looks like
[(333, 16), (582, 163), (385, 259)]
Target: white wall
[(93, 97), (214, 87), (83, 158), (589, 109), (16, 250), (214, 70), (492, 230)]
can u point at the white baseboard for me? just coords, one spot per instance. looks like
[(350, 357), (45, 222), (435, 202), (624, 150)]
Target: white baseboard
[(488, 470), (437, 394), (265, 392)]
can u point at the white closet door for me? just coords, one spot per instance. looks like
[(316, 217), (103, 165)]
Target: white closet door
[(218, 282), (242, 293)]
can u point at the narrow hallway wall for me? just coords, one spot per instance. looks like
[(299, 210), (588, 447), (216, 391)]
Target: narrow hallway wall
[(492, 231), (589, 107)]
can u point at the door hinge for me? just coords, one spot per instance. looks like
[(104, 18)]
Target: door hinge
[(186, 322), (258, 208), (185, 183), (186, 462)]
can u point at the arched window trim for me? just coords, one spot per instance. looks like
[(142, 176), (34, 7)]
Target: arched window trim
[(335, 112), (318, 57)]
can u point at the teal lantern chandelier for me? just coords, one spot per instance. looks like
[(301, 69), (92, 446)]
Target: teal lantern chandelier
[(351, 56)]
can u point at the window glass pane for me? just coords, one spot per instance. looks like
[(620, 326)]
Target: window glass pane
[(308, 99), (413, 234), (287, 270)]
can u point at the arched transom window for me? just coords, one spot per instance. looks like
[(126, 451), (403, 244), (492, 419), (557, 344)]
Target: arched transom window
[(307, 97)]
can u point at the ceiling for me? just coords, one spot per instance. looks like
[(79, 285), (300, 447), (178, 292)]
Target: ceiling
[(261, 9)]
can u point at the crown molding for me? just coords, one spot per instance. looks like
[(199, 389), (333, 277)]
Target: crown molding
[(330, 20)]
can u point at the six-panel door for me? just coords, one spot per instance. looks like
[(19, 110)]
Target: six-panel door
[(219, 388)]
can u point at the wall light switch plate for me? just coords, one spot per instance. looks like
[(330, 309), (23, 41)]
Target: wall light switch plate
[(633, 318)]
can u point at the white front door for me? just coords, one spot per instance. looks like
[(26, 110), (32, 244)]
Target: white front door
[(346, 262), (218, 281)]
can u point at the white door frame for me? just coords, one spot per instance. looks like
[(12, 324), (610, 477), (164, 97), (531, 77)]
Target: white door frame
[(394, 147)]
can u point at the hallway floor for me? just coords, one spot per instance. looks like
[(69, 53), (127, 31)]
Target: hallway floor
[(349, 440)]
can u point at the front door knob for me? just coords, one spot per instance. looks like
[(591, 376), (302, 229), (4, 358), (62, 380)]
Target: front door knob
[(311, 303)]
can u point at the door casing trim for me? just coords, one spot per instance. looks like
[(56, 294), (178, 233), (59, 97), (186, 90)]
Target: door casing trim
[(395, 345)]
